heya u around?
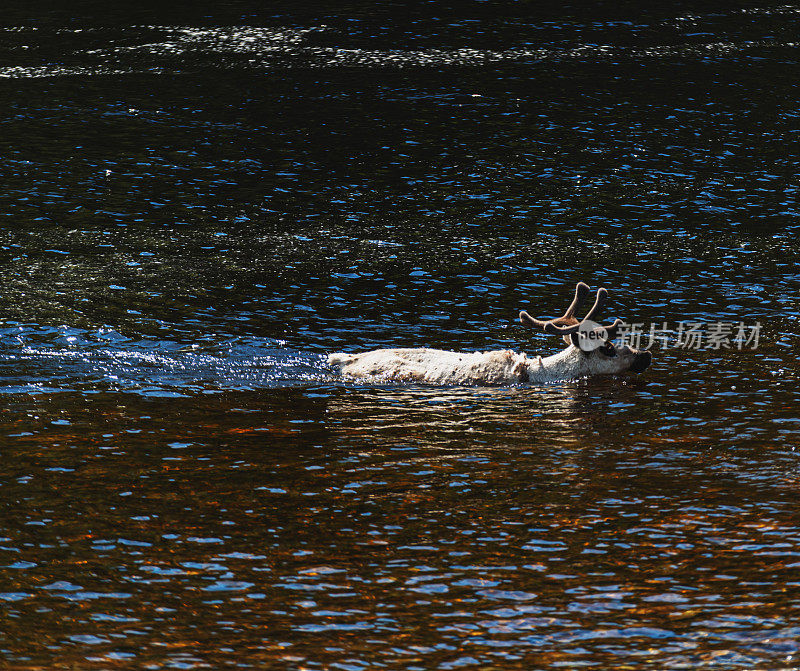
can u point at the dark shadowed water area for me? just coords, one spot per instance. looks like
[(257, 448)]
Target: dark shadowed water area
[(197, 203)]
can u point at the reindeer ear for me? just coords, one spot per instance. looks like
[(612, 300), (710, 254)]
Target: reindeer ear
[(575, 338)]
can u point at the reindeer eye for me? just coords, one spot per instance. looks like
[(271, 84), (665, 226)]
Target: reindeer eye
[(609, 350)]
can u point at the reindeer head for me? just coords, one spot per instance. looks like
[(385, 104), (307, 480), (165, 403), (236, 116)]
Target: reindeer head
[(592, 341)]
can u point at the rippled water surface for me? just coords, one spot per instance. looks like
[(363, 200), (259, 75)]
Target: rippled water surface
[(197, 204)]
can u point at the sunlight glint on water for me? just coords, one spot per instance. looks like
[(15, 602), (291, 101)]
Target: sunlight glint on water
[(200, 202)]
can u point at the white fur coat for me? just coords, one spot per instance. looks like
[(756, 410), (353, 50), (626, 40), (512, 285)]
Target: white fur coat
[(481, 368)]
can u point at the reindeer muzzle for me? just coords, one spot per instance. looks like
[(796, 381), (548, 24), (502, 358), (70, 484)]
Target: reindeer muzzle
[(640, 362)]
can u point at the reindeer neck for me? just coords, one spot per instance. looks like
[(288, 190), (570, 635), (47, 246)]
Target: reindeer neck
[(564, 365)]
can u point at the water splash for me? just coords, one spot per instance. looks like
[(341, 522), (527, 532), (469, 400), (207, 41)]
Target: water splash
[(170, 49), (37, 360)]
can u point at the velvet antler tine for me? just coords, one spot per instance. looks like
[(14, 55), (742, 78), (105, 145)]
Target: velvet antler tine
[(609, 331), (600, 301), (529, 321), (581, 292), (552, 329), (567, 325), (613, 329)]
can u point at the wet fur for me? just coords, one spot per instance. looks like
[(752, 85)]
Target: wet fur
[(499, 367)]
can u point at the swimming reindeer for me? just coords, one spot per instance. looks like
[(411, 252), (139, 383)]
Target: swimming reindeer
[(504, 366)]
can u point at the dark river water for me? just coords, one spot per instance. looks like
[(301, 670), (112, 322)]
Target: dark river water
[(197, 203)]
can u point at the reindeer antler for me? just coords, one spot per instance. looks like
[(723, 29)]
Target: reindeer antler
[(567, 324), (568, 319)]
